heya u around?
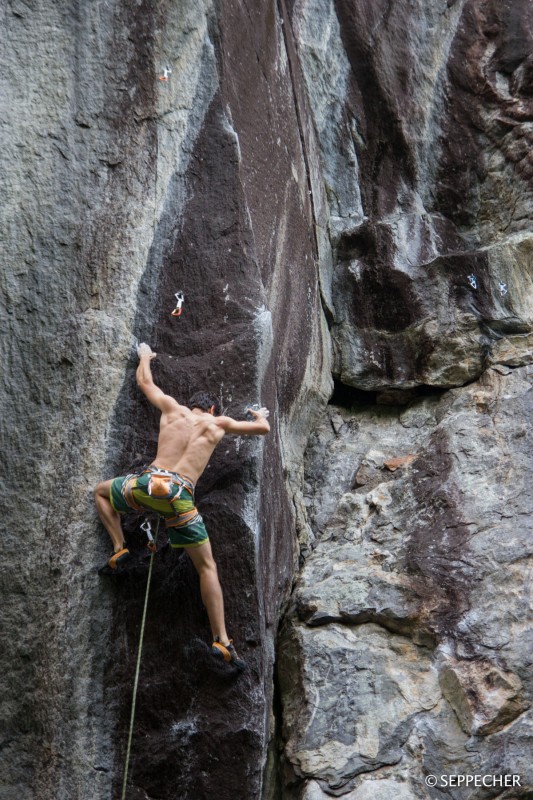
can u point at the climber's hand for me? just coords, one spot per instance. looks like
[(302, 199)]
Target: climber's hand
[(145, 351), (259, 413)]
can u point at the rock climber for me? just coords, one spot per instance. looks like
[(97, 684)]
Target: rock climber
[(188, 436)]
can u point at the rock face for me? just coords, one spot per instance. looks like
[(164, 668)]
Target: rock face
[(404, 651), (424, 121), (410, 620), (123, 189), (342, 190)]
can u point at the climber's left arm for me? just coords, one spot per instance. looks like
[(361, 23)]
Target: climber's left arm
[(164, 402)]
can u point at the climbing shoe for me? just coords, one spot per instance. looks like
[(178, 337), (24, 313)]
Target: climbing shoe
[(116, 560), (228, 653)]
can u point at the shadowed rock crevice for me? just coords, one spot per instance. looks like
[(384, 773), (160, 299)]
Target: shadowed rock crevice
[(347, 397), (274, 781)]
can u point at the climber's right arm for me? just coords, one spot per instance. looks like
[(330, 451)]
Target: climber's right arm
[(258, 427)]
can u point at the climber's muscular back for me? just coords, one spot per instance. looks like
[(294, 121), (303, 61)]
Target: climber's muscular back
[(186, 439)]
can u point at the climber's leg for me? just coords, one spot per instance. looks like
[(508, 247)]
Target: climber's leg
[(110, 518), (211, 591)]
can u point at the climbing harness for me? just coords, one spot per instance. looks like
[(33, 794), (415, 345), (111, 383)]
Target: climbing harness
[(180, 297), (184, 519), (138, 667), (160, 486), (174, 476), (126, 491), (160, 492)]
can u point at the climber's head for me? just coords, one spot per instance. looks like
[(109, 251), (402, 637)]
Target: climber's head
[(205, 401)]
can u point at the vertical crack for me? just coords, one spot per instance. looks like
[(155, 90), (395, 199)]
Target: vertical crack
[(282, 10)]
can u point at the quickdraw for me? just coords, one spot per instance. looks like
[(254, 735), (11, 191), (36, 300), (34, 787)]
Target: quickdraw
[(147, 528), (180, 297)]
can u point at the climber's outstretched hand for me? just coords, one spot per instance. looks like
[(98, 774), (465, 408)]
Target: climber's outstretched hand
[(145, 351), (259, 413)]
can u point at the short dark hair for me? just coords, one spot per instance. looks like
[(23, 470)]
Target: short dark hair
[(204, 401)]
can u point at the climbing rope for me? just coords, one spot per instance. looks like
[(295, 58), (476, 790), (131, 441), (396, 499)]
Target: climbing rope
[(138, 669)]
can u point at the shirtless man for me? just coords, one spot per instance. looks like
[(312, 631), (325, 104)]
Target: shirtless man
[(187, 438)]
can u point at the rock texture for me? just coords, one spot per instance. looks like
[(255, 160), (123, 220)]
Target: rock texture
[(342, 190), (424, 121), (122, 190), (411, 617), (410, 621)]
